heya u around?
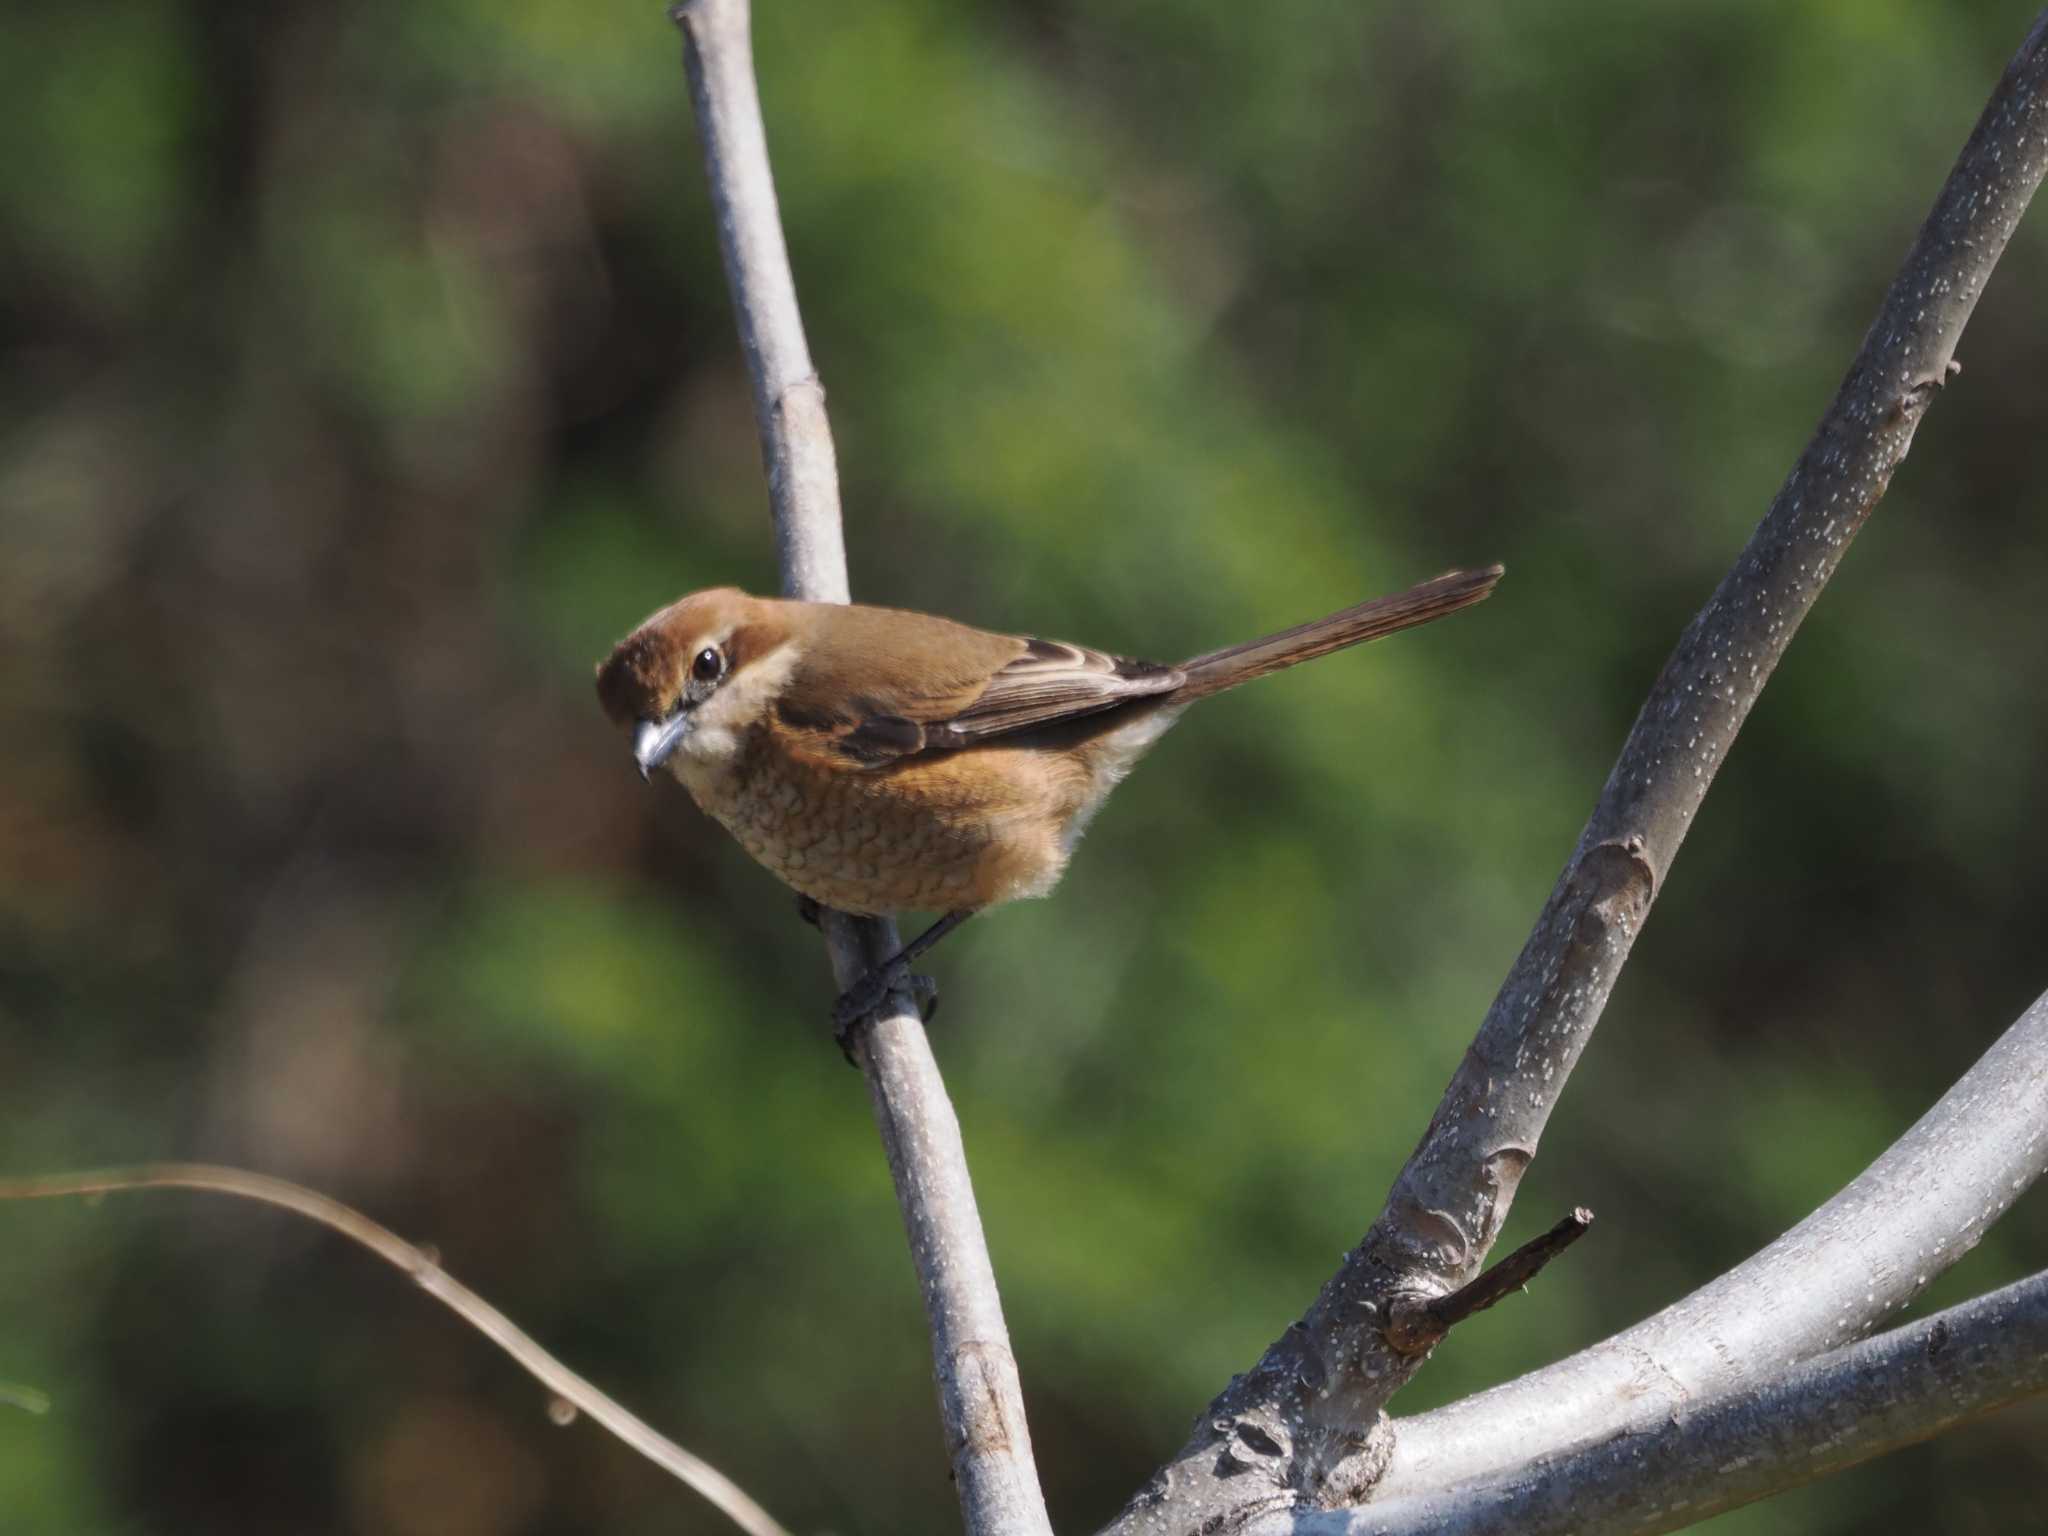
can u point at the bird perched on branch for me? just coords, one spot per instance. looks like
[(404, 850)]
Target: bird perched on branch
[(879, 760)]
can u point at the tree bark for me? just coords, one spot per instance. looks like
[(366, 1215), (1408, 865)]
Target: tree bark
[(1305, 1427), (1701, 1458), (1864, 1255)]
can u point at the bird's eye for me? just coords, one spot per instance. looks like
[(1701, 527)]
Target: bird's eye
[(708, 665)]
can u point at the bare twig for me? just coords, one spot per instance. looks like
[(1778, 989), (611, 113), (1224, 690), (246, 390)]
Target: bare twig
[(981, 1399), (1701, 1457), (1915, 1211), (719, 1490), (1416, 1325), (1317, 1394)]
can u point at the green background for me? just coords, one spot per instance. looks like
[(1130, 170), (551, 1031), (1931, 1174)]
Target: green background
[(367, 370)]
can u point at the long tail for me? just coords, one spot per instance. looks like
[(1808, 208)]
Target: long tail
[(1420, 604)]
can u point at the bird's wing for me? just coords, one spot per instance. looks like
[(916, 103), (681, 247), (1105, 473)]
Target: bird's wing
[(1052, 681), (876, 692)]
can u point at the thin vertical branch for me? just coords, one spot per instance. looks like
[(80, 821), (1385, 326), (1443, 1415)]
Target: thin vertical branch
[(789, 398), (1304, 1427), (980, 1397)]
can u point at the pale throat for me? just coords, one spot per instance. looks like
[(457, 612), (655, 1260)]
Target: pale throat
[(717, 738)]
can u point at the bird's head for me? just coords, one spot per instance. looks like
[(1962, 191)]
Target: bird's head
[(689, 681)]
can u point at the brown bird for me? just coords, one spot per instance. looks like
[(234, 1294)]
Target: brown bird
[(879, 760)]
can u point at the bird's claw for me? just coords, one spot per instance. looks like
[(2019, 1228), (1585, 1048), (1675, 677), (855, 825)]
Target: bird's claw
[(858, 1003), (861, 999)]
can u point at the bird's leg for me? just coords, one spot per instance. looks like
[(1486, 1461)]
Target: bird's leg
[(865, 995), (811, 910)]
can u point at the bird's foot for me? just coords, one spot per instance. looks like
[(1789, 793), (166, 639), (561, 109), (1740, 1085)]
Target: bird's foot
[(861, 999), (858, 1003)]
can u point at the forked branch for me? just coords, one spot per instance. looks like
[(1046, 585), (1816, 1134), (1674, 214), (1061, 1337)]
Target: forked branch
[(1316, 1397), (1905, 1219), (1697, 1459)]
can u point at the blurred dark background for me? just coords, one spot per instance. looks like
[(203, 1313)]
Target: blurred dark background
[(368, 369)]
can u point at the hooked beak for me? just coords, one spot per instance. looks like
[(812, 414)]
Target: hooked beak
[(656, 740)]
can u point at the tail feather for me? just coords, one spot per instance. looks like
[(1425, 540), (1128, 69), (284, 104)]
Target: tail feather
[(1420, 604)]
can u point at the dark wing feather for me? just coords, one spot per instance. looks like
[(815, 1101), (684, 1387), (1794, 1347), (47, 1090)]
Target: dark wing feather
[(1052, 681), (882, 739)]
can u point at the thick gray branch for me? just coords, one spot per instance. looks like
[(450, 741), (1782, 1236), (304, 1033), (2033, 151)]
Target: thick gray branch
[(1704, 1457), (1304, 1425), (1915, 1211), (981, 1400)]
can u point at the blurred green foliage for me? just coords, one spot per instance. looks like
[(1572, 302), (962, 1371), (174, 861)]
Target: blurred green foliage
[(368, 370)]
